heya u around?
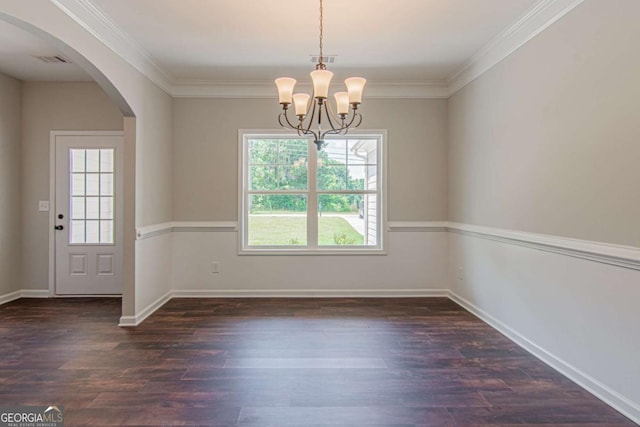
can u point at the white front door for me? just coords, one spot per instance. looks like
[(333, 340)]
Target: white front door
[(88, 213)]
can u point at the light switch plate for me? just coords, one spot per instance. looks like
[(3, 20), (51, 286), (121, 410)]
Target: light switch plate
[(43, 206)]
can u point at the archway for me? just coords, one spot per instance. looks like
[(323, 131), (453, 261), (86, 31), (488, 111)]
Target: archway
[(21, 19)]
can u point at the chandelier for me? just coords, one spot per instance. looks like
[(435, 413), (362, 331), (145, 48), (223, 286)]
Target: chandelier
[(320, 110)]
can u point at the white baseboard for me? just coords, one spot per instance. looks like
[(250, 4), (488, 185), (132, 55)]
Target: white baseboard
[(23, 293), (311, 293), (601, 391), (12, 296), (127, 321), (35, 293)]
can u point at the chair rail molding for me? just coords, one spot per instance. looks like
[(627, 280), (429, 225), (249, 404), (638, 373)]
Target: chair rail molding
[(618, 255)]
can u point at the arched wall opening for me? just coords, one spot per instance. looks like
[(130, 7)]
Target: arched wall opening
[(129, 127)]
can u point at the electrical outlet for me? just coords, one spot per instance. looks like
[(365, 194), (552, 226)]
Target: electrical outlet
[(43, 206), (460, 273), (215, 267)]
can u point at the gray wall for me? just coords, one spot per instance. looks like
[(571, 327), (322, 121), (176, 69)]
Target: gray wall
[(548, 141), (47, 107), (206, 154), (10, 100)]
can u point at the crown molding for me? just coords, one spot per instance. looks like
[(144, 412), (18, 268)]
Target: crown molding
[(92, 19), (538, 18), (533, 22), (266, 89)]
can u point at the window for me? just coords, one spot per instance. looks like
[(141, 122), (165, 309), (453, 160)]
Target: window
[(296, 199), (92, 195)]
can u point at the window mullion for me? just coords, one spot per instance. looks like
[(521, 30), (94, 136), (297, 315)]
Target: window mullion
[(312, 198)]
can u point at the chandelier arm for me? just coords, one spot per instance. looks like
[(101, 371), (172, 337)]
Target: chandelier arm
[(280, 121), (313, 113), (286, 116), (330, 113), (354, 115), (332, 132), (305, 132), (359, 120)]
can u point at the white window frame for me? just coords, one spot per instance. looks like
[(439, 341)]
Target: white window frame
[(312, 247)]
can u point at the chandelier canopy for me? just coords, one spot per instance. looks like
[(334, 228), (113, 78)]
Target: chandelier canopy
[(338, 121)]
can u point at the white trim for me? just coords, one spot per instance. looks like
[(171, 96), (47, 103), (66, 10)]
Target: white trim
[(11, 296), (126, 321), (154, 230), (304, 293), (330, 251), (595, 387), (535, 20), (436, 89), (129, 321), (421, 226), (34, 293), (312, 247), (24, 293), (95, 21), (52, 207), (618, 255)]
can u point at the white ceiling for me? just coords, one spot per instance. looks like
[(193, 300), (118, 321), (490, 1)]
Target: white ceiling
[(241, 41), (249, 40), (18, 49)]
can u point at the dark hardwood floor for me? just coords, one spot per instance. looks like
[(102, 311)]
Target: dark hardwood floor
[(281, 362)]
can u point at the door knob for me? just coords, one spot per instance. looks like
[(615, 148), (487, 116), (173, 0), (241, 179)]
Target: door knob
[(59, 227)]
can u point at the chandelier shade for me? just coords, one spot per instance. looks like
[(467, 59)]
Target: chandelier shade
[(328, 120), (285, 89)]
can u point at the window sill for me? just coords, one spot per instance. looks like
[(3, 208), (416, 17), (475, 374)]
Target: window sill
[(312, 252)]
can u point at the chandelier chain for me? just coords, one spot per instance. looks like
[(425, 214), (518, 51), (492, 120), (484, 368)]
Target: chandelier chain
[(321, 60)]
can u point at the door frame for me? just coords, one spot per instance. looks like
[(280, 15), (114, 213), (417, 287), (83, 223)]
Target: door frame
[(52, 199)]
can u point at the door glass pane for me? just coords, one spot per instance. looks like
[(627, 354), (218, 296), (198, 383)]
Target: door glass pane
[(77, 184), (106, 208), (106, 160), (93, 160), (93, 184), (77, 208), (93, 208), (93, 232), (106, 232), (77, 160), (77, 232), (277, 220), (106, 184)]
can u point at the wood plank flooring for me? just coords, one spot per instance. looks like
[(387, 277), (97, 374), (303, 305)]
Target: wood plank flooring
[(281, 362)]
